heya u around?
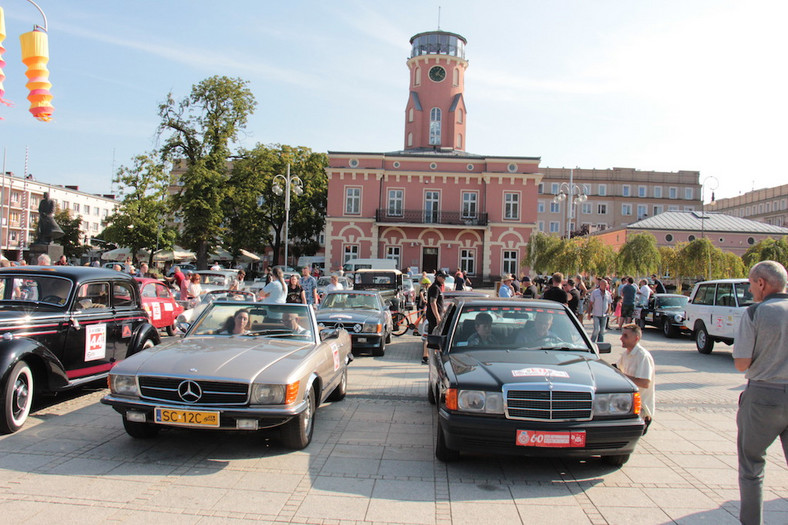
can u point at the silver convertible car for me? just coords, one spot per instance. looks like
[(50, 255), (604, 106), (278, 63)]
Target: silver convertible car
[(240, 366)]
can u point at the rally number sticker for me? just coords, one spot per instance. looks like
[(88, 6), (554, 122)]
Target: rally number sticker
[(95, 342), (539, 372)]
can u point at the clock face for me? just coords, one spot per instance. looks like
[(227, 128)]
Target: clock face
[(437, 73)]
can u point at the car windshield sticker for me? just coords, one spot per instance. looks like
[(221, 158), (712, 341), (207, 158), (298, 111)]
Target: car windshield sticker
[(539, 372), (95, 342), (156, 311)]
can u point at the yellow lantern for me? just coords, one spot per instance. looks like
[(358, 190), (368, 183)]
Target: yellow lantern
[(35, 55), (2, 62)]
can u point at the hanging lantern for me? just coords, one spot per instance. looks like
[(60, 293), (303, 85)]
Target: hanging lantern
[(2, 62), (35, 55)]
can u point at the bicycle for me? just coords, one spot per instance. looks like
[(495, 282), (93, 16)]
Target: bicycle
[(402, 323)]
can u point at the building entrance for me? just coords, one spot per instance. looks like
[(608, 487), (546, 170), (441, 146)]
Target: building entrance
[(429, 259)]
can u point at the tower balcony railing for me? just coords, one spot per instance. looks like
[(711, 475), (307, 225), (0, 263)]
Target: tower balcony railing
[(430, 216)]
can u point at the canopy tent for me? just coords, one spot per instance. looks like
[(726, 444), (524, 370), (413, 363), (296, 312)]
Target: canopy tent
[(177, 254), (248, 256), (224, 255), (120, 254)]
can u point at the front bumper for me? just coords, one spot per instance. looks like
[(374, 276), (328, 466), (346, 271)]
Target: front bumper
[(493, 435), (365, 341), (228, 416)]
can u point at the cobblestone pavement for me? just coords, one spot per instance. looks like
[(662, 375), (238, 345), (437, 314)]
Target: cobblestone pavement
[(372, 461)]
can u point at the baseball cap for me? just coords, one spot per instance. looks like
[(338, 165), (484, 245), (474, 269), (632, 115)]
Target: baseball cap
[(440, 273), (526, 278)]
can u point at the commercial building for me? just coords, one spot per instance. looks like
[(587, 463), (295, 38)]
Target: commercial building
[(769, 205)]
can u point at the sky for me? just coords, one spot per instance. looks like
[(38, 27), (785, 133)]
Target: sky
[(654, 85)]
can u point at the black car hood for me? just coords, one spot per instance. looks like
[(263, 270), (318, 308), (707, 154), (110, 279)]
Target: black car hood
[(491, 369)]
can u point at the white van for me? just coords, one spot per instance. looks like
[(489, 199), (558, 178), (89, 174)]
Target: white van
[(369, 264), (312, 260)]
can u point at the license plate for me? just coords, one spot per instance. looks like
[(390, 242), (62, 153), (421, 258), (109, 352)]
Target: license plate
[(362, 339), (188, 418), (537, 438)]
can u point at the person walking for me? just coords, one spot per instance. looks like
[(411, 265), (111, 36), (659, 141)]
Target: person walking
[(309, 284), (760, 350), (434, 310), (628, 293), (600, 306)]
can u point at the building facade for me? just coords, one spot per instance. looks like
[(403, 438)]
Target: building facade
[(19, 200), (769, 205)]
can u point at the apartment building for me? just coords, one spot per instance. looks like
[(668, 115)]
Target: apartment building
[(768, 205)]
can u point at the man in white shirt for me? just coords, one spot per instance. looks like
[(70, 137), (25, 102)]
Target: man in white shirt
[(643, 295), (600, 306), (334, 286), (637, 364)]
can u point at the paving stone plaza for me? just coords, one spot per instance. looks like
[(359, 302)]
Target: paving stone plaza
[(372, 461)]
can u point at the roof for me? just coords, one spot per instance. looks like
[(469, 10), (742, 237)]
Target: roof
[(711, 222), (73, 272)]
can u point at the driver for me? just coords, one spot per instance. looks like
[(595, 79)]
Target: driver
[(540, 333), (290, 321), (483, 335), (237, 324)]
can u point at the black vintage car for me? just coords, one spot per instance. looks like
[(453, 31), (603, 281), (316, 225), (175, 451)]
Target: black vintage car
[(666, 312), (521, 377), (363, 314), (61, 327)]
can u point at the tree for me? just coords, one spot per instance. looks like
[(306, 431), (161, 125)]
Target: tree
[(767, 250), (731, 266), (698, 257), (639, 255), (139, 220), (251, 200), (594, 256), (72, 235), (541, 252), (200, 130)]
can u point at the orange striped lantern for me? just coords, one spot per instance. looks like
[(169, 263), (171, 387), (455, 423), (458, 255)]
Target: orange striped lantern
[(2, 62), (35, 55)]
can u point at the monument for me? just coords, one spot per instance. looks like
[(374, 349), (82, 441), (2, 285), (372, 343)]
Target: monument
[(47, 231)]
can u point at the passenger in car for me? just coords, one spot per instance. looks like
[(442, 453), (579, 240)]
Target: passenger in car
[(237, 324), (290, 322), (482, 335)]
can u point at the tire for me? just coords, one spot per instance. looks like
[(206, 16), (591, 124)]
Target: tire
[(17, 398), (399, 323), (668, 330), (388, 338), (380, 350), (442, 452), (140, 430), (339, 393), (703, 342), (430, 394), (616, 461), (170, 330), (297, 433)]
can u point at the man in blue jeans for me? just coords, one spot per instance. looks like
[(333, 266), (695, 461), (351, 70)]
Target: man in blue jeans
[(761, 351), (600, 306)]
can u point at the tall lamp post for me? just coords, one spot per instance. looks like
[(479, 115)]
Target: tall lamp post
[(297, 186), (572, 193)]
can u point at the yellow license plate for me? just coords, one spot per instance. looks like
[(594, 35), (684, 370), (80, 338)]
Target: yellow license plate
[(188, 418)]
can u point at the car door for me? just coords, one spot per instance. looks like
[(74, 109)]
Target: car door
[(88, 350), (702, 306), (724, 319), (127, 316), (741, 291), (167, 304)]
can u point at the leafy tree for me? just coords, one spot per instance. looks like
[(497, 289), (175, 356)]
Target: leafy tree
[(731, 266), (668, 261), (541, 252), (72, 235), (139, 220), (251, 200), (639, 255), (767, 250), (698, 258), (594, 256), (200, 130)]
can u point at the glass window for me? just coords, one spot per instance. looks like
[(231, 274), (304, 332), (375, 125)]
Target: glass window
[(602, 189), (724, 295), (122, 294), (672, 192), (162, 292), (540, 226), (149, 291), (554, 188), (585, 209), (658, 192), (743, 295), (704, 295), (555, 207), (540, 207), (641, 191), (626, 209), (673, 208), (625, 190), (510, 262), (469, 203), (540, 188), (554, 227), (467, 261), (688, 193), (350, 252), (92, 295), (395, 202), (353, 201), (431, 206), (87, 209), (601, 209), (393, 253), (511, 206), (642, 211), (435, 126), (76, 207), (657, 209)]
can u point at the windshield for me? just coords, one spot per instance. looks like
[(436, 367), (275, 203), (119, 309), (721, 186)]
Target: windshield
[(672, 302), (35, 289), (213, 279), (252, 319), (351, 301), (516, 328), (228, 295)]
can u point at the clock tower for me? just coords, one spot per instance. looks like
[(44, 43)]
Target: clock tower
[(435, 116)]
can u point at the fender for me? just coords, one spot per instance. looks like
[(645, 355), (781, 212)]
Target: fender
[(47, 368), (143, 332), (313, 378)]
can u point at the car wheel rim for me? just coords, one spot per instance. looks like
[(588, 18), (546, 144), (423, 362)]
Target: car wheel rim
[(307, 421), (20, 398), (701, 338)]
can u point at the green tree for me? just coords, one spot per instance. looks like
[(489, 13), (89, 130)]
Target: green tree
[(541, 252), (731, 266), (200, 130), (700, 259), (639, 255), (767, 250), (594, 256), (72, 235), (251, 200), (139, 220)]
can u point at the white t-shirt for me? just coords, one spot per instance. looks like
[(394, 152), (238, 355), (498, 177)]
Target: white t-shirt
[(639, 363), (643, 295), (600, 302), (276, 293), (334, 287)]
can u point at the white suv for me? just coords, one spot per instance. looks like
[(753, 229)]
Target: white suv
[(714, 310)]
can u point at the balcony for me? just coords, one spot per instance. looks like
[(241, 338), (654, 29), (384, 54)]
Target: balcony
[(454, 218)]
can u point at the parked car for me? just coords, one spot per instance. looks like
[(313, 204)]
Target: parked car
[(714, 310), (387, 282), (188, 316), (665, 311), (274, 372), (61, 327), (363, 314), (184, 267), (536, 387), (324, 281), (216, 279), (157, 299)]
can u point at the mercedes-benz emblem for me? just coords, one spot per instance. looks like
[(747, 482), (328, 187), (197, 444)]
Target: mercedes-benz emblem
[(189, 391), (338, 326)]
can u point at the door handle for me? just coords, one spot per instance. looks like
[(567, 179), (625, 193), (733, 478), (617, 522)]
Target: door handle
[(75, 323)]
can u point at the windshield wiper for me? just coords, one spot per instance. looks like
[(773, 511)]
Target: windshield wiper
[(269, 332)]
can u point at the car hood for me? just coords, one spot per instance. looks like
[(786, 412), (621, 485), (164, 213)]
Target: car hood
[(491, 369), (347, 315), (223, 358)]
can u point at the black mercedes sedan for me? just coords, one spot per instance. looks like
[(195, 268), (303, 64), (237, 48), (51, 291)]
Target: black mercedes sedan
[(363, 314), (521, 377)]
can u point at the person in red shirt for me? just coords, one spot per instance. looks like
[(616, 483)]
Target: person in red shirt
[(179, 280)]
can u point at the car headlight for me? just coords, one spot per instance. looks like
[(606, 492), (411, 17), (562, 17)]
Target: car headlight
[(123, 385), (267, 394), (374, 328), (480, 401), (613, 404), (679, 318)]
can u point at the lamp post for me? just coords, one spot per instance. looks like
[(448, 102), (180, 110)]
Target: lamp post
[(713, 183), (571, 193), (297, 187)]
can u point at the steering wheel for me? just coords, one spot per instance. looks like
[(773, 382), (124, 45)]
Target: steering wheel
[(56, 299)]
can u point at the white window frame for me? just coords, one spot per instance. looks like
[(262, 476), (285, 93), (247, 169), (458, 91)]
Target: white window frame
[(689, 194), (396, 200), (657, 192), (394, 253), (352, 200), (470, 204), (540, 207), (601, 190), (625, 190), (555, 227), (511, 206), (626, 209), (555, 207), (673, 192), (349, 251), (468, 260), (601, 208), (509, 262), (586, 208)]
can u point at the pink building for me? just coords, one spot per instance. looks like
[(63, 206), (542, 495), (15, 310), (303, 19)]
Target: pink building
[(433, 205)]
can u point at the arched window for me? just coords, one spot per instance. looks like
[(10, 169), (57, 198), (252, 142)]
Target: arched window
[(459, 116), (417, 79), (435, 126), (459, 140), (456, 77), (410, 115), (410, 139)]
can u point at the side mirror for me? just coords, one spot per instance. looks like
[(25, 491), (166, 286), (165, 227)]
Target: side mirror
[(604, 348), (436, 341), (328, 333), (183, 326)]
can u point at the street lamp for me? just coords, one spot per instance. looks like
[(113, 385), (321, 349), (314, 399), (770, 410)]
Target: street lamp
[(573, 193), (297, 187)]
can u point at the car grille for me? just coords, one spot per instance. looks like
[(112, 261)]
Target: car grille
[(538, 402), (212, 392)]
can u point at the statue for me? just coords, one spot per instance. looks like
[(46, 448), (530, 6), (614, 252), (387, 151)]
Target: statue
[(48, 230)]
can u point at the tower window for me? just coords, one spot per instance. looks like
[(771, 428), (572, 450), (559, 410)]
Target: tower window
[(435, 126), (410, 139), (459, 140), (410, 115), (417, 77)]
